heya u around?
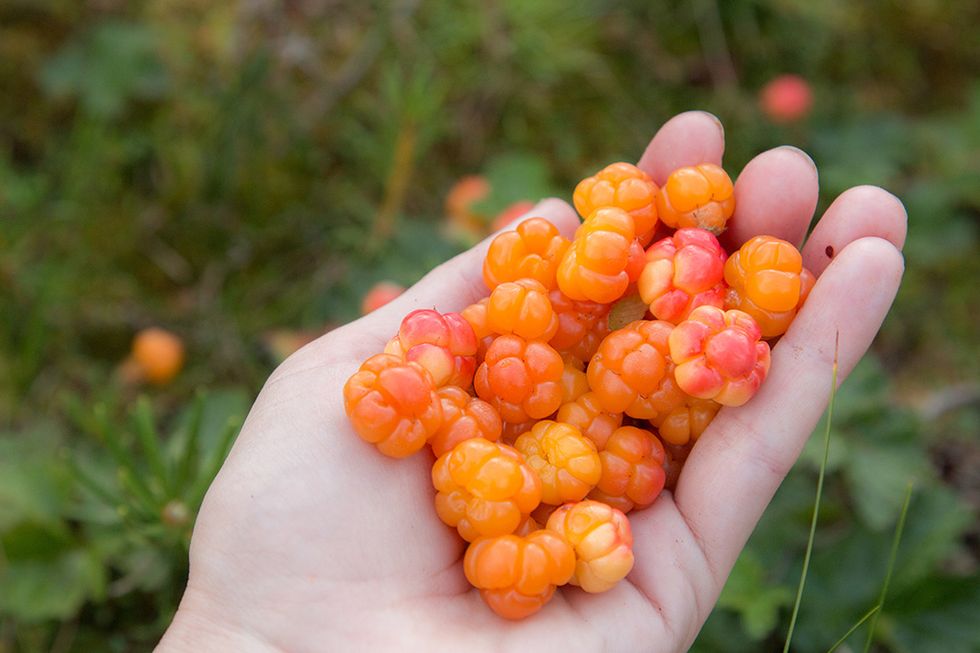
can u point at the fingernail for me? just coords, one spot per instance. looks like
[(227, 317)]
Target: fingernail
[(797, 151), (713, 118)]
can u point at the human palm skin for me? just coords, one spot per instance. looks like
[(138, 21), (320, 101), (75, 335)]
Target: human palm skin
[(310, 540)]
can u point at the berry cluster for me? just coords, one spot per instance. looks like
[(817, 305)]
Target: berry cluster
[(551, 417)]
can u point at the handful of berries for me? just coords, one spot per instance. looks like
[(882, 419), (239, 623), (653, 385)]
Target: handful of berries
[(550, 419)]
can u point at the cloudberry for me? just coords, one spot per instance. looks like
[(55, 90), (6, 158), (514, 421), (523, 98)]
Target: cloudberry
[(393, 405), (484, 488), (565, 460), (460, 200), (521, 379), (623, 186), (513, 430), (581, 326), (532, 251), (768, 281), (786, 98), (522, 307), (380, 294), (586, 414), (697, 196), (603, 259), (627, 372), (159, 354), (476, 316), (683, 272), (528, 525), (445, 345), (574, 383), (463, 417), (632, 469), (517, 575), (602, 540), (686, 422), (719, 355)]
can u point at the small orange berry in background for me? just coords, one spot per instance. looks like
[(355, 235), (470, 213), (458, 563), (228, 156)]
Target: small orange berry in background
[(522, 307), (380, 294), (517, 575), (484, 488), (532, 251), (464, 194), (393, 404), (520, 378), (687, 421), (719, 355), (463, 417), (632, 470), (768, 281), (565, 460), (623, 186), (602, 540), (444, 344), (603, 259), (159, 355), (786, 98), (586, 414), (682, 272), (697, 196), (506, 217), (627, 372)]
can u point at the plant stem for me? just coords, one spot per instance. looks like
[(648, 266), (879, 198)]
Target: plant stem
[(891, 566)]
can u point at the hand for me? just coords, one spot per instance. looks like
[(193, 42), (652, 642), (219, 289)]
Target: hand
[(311, 540)]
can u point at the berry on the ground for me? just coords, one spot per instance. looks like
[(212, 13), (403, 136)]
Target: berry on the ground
[(632, 469), (603, 259), (565, 460), (686, 422), (445, 345), (586, 414), (522, 307), (517, 575), (484, 488), (159, 355), (463, 417), (682, 272), (521, 379), (623, 186), (719, 355), (392, 404), (697, 196), (627, 372), (768, 281), (786, 98), (380, 294), (602, 540), (581, 326)]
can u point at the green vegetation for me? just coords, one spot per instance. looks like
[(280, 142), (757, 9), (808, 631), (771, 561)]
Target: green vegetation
[(225, 170)]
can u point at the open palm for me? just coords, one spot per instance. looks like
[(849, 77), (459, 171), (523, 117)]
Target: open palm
[(309, 540)]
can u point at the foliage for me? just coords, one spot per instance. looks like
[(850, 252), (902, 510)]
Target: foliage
[(227, 170)]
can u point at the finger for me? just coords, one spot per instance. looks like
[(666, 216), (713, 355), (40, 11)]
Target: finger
[(458, 282), (741, 459), (775, 195), (687, 139), (857, 212)]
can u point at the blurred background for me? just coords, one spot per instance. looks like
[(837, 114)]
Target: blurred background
[(189, 190)]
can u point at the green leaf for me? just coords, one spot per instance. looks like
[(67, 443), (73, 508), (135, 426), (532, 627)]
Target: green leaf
[(35, 590), (937, 615), (757, 601)]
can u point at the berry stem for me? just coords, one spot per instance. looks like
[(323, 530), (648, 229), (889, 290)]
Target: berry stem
[(816, 500)]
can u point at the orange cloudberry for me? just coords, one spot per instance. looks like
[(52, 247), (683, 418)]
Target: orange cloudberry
[(683, 272), (581, 326), (686, 422), (531, 251), (697, 196), (623, 186), (522, 307), (392, 404), (602, 540), (628, 371), (521, 379), (444, 344), (586, 414), (476, 316), (463, 417), (632, 469), (603, 259), (484, 488), (565, 460)]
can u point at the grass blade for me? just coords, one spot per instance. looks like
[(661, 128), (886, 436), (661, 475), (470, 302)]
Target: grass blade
[(88, 481), (816, 500), (122, 457), (150, 441), (867, 615), (899, 528), (188, 462)]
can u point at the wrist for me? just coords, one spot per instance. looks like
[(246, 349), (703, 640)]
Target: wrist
[(193, 630)]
